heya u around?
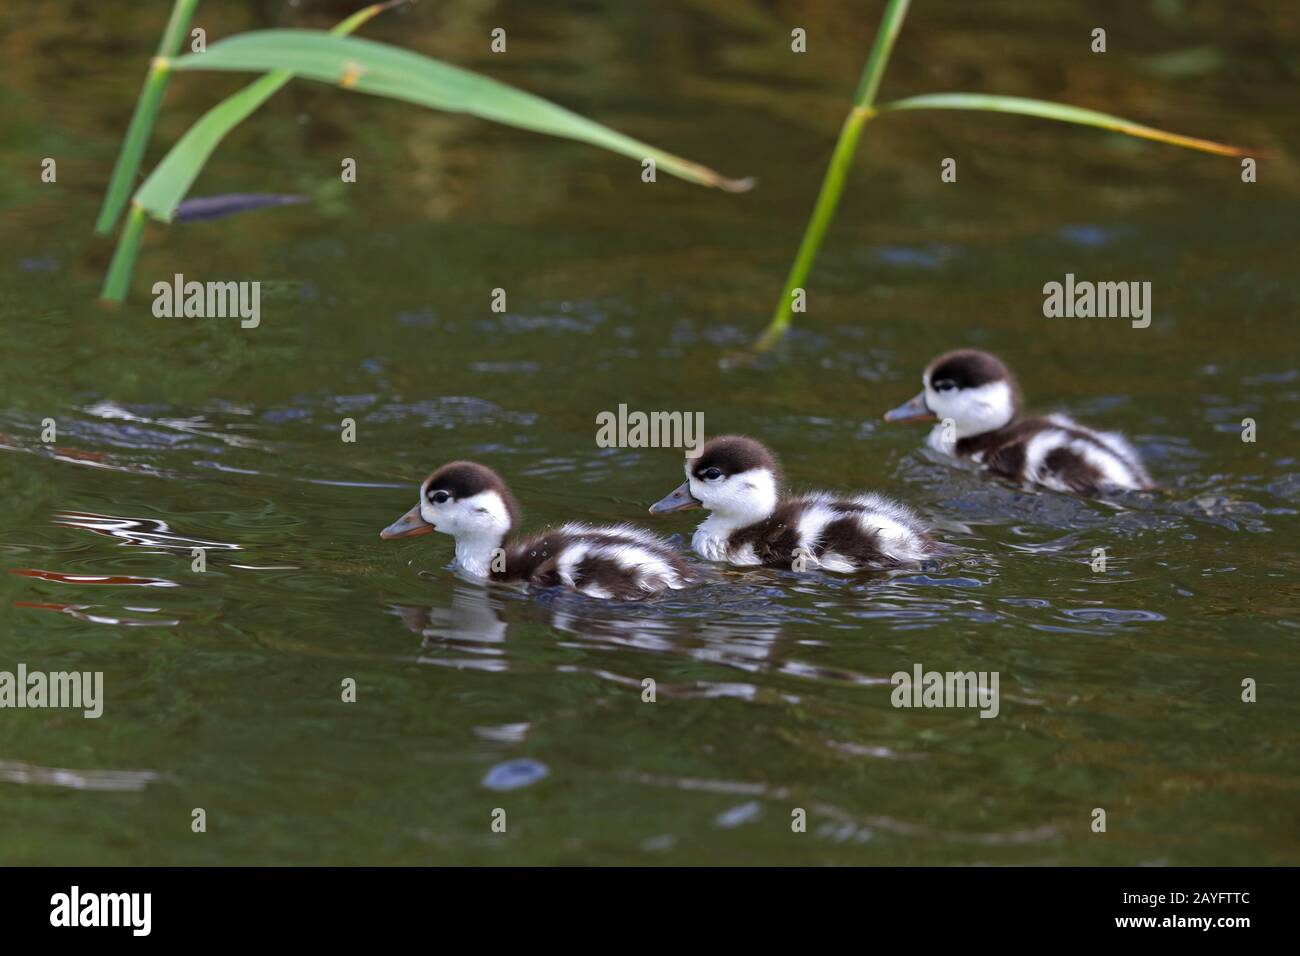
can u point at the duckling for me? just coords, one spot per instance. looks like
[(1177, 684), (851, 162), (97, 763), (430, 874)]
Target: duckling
[(471, 503), (753, 523), (977, 401)]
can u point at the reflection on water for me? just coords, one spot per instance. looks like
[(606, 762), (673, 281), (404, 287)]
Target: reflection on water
[(90, 614), (841, 824), (13, 771), (468, 633), (1087, 659), (117, 580), (136, 532), (472, 632)]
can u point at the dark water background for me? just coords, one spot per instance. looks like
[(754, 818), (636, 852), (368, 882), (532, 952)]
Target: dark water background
[(1119, 690)]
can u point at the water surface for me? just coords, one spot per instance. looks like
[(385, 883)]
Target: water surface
[(1120, 690)]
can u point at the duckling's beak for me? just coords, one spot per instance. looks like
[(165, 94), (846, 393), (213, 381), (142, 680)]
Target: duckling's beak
[(679, 499), (407, 525), (913, 410)]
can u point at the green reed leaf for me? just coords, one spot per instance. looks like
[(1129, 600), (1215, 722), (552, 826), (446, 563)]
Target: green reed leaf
[(1045, 109), (382, 70)]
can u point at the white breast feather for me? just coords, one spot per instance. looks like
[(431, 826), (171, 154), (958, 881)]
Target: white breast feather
[(711, 541), (941, 440)]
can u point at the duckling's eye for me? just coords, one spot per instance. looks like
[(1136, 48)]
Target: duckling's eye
[(944, 385), (711, 474), (439, 497)]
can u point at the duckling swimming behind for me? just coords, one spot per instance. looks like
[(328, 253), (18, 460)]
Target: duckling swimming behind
[(977, 393), (471, 503), (752, 523)]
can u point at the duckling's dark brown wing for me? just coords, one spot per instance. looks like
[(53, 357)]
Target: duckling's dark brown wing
[(775, 539), (1073, 471)]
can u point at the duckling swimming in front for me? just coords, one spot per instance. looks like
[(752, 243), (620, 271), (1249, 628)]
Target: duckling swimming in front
[(471, 503), (752, 523), (977, 402)]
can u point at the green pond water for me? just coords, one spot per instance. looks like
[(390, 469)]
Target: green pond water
[(1119, 690)]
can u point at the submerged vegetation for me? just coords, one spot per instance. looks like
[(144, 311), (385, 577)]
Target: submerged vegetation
[(330, 57), (865, 109)]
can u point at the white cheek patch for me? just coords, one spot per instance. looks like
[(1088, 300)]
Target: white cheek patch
[(484, 512), (445, 518), (736, 502), (428, 510), (740, 499), (973, 411), (479, 523)]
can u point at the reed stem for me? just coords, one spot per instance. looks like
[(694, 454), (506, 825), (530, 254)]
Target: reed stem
[(142, 120), (118, 278), (828, 197)]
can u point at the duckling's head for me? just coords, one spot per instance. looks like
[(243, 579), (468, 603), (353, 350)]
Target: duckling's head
[(974, 389), (463, 499), (733, 476)]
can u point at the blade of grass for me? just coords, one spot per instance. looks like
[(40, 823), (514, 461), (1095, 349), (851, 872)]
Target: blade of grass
[(865, 110), (383, 70), (146, 109), (118, 277), (828, 197), (171, 179), (1045, 109)]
